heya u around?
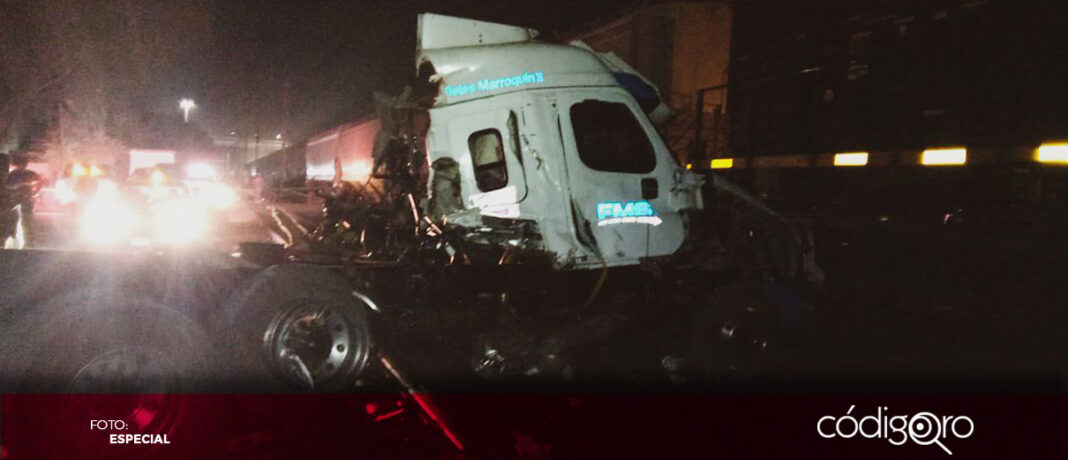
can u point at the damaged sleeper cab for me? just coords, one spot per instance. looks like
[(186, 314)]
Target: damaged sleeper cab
[(550, 134)]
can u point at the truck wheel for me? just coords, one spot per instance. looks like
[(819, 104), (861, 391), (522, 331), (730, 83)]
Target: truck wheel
[(104, 342), (735, 331), (300, 328)]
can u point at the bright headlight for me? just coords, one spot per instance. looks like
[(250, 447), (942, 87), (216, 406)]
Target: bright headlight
[(201, 171), (106, 221), (218, 196), (107, 190), (181, 222), (65, 192)]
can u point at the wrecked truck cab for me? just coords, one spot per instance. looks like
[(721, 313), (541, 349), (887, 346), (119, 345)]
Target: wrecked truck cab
[(547, 134)]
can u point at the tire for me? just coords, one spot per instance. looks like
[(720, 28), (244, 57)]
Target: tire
[(735, 332), (299, 328), (104, 341)]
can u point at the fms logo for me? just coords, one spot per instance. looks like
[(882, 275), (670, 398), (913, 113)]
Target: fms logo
[(626, 212)]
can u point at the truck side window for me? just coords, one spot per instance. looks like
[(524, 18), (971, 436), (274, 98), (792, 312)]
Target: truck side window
[(487, 154), (610, 139)]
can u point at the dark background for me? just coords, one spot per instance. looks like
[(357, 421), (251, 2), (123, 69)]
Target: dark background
[(844, 75), (266, 67)]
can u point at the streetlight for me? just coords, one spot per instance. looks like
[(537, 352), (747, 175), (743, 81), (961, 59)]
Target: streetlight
[(186, 105)]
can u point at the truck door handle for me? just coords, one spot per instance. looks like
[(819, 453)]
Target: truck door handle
[(650, 189)]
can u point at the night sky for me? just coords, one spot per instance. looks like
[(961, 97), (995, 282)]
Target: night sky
[(309, 65)]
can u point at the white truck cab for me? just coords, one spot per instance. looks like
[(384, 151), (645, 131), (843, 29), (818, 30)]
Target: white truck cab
[(548, 133)]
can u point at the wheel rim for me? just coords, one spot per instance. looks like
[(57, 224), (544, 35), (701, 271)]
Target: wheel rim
[(312, 345)]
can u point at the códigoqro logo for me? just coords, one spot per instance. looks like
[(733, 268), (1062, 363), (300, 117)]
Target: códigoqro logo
[(923, 428)]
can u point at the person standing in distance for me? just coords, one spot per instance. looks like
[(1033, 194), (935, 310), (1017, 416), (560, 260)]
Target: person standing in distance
[(23, 185)]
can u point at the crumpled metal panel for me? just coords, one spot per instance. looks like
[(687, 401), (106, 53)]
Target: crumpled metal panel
[(444, 188)]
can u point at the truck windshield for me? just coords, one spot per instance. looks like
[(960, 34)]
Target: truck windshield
[(610, 139)]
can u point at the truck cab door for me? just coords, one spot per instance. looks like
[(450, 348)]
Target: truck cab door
[(485, 144), (620, 176)]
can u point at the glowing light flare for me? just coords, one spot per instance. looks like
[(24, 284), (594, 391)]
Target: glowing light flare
[(78, 171), (851, 159), (218, 196), (107, 190), (106, 221), (201, 171), (181, 222), (157, 178), (722, 163), (1052, 153), (944, 157), (65, 192)]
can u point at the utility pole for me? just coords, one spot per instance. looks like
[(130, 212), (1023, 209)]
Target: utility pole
[(62, 141), (285, 111)]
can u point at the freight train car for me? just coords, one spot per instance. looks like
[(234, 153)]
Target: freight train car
[(345, 152)]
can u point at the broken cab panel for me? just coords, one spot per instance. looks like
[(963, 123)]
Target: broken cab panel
[(620, 177), (483, 142)]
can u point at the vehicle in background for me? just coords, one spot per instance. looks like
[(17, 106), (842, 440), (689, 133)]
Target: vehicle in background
[(147, 158), (197, 181), (153, 207)]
